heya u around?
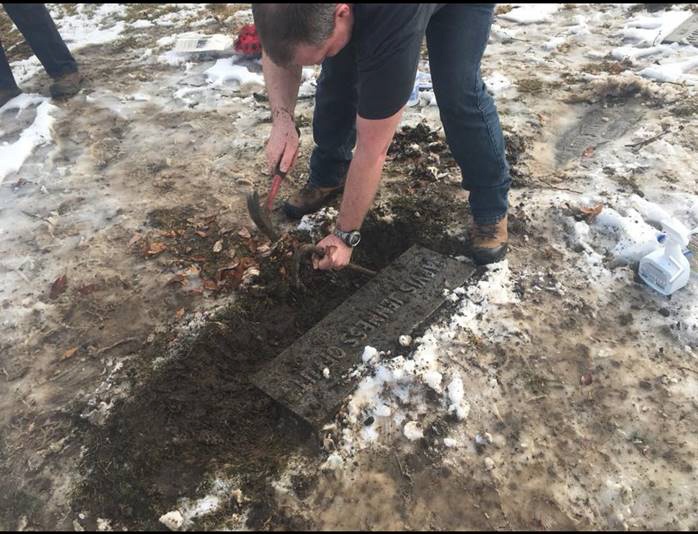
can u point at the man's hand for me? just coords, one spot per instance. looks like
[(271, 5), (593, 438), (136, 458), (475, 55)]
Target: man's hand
[(282, 146), (337, 254)]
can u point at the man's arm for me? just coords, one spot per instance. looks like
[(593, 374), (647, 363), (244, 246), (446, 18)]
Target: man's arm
[(373, 141), (282, 87)]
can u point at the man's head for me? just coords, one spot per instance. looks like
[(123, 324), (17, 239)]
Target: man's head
[(302, 34)]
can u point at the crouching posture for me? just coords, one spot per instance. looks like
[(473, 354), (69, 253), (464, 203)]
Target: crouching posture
[(369, 55)]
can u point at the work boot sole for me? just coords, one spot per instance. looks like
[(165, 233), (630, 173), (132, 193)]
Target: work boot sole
[(485, 256)]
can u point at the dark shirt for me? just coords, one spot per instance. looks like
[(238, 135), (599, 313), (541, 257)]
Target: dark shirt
[(388, 39)]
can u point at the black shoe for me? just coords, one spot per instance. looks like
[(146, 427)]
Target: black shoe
[(310, 199), (66, 85)]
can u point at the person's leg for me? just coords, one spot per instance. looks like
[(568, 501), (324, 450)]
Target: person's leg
[(7, 80), (334, 119), (38, 28), (334, 133), (456, 39)]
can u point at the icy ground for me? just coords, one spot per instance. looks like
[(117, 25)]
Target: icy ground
[(561, 393)]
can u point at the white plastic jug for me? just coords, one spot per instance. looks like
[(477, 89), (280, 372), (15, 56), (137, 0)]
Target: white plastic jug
[(667, 269)]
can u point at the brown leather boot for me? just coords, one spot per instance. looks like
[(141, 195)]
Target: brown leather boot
[(8, 94), (66, 85), (488, 242), (310, 199)]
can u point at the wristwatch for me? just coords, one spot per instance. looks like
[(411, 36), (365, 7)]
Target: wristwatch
[(351, 239)]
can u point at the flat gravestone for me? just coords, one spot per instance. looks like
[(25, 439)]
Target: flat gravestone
[(394, 302), (597, 126)]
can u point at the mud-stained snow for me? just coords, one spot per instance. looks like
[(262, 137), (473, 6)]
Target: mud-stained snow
[(38, 133)]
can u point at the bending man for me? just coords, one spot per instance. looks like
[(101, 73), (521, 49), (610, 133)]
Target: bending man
[(369, 55)]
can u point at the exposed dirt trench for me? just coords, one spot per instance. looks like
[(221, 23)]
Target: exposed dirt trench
[(199, 413)]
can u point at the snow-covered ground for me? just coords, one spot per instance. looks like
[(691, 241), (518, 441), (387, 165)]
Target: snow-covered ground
[(561, 392)]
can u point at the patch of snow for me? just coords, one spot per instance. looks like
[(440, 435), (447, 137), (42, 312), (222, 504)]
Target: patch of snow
[(142, 24), (89, 26), (25, 69), (456, 395), (651, 29), (173, 58), (554, 42), (333, 462), (13, 156), (497, 82), (674, 72), (224, 70), (531, 13), (312, 222), (370, 354), (433, 380), (633, 237), (413, 431), (168, 40)]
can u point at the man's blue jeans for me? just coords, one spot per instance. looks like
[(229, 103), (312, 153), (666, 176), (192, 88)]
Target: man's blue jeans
[(38, 28), (456, 38)]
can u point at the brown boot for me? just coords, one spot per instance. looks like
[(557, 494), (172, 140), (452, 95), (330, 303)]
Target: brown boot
[(310, 199), (66, 85), (8, 94), (488, 242)]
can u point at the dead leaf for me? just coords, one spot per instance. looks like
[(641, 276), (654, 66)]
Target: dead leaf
[(135, 239), (179, 313), (177, 279), (69, 353), (223, 270), (211, 285), (156, 248), (588, 152), (589, 214), (245, 233), (218, 246), (201, 234), (170, 233), (58, 287), (264, 250), (198, 258)]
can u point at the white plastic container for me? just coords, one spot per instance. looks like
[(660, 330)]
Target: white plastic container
[(213, 46), (667, 269)]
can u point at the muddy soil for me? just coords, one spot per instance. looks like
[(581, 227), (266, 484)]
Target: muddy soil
[(125, 391), (200, 414)]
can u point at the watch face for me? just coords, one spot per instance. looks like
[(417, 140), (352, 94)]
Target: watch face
[(354, 239)]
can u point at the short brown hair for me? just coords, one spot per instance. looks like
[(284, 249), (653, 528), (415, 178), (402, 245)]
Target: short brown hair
[(281, 27)]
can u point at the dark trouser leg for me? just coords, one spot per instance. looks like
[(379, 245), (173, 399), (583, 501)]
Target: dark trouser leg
[(334, 119), (7, 80), (38, 28), (456, 37)]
